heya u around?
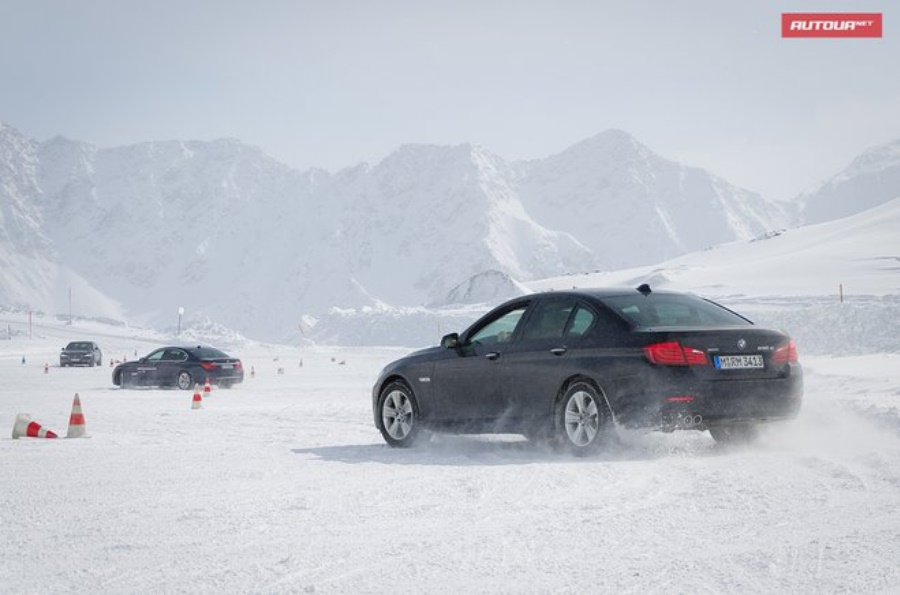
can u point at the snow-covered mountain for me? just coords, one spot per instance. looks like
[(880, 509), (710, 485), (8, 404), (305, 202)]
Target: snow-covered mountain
[(871, 179), (631, 206), (33, 275), (227, 232), (427, 218), (236, 237)]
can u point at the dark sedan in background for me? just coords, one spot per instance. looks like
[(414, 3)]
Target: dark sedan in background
[(81, 353), (180, 367), (568, 366)]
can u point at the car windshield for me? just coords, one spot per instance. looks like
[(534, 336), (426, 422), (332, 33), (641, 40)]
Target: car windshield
[(659, 309), (79, 346)]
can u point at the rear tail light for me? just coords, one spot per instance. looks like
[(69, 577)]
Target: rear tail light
[(672, 353), (238, 365), (786, 353), (207, 366), (680, 399)]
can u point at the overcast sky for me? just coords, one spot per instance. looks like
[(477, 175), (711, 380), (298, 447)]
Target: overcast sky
[(332, 83)]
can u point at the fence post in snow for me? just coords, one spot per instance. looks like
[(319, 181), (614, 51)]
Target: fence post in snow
[(841, 291)]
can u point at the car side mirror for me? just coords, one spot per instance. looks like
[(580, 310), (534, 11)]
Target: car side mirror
[(450, 341)]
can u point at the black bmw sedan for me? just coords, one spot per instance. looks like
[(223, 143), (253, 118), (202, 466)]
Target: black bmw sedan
[(181, 367), (568, 366)]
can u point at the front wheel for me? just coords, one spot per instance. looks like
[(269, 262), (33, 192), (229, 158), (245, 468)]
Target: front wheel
[(398, 415), (583, 420), (184, 380)]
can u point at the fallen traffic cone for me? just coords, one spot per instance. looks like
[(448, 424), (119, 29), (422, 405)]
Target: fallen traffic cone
[(197, 402), (25, 428), (76, 420), (207, 389)]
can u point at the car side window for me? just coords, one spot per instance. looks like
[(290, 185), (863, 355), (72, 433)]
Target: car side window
[(156, 355), (500, 330), (549, 320), (174, 355), (582, 322)]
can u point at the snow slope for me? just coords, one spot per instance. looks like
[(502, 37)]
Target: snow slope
[(283, 485), (790, 279), (862, 252)]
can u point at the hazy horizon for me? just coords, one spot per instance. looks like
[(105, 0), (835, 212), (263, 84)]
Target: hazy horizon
[(319, 84)]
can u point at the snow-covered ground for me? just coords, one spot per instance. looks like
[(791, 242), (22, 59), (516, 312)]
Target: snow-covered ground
[(283, 485)]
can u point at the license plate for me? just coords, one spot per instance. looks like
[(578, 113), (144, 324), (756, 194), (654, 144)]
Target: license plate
[(738, 362), (227, 366)]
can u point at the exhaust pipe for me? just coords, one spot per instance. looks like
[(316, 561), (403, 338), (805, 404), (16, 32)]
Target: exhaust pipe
[(689, 421)]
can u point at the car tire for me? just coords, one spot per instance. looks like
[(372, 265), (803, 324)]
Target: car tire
[(734, 433), (583, 419), (398, 415), (184, 380)]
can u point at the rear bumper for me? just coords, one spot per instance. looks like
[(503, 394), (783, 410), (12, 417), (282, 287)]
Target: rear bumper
[(699, 404), (229, 378)]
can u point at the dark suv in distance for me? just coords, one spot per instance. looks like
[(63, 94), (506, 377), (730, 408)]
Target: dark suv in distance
[(81, 353), (569, 366)]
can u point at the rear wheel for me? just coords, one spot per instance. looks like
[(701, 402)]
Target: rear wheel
[(583, 420), (398, 415), (734, 433), (184, 380)]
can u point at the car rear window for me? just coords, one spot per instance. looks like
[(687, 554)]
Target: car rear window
[(659, 309), (208, 353)]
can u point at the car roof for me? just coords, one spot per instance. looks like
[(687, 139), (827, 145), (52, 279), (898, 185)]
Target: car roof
[(600, 292)]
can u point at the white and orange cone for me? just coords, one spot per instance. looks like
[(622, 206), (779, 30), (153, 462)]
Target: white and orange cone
[(25, 428), (207, 389), (197, 401), (76, 420)]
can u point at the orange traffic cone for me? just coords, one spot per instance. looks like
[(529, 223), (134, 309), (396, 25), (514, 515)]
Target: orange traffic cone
[(207, 389), (76, 420), (25, 428), (197, 402)]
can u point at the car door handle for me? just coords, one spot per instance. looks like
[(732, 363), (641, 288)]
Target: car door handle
[(558, 350), (492, 355)]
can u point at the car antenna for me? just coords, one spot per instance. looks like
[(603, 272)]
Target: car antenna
[(644, 289)]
